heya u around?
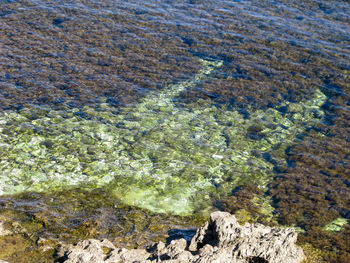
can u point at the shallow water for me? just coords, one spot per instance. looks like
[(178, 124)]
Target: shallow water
[(178, 108)]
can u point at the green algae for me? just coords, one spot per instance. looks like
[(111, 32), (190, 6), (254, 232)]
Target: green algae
[(261, 69), (17, 248), (20, 243), (39, 223), (156, 155), (336, 225)]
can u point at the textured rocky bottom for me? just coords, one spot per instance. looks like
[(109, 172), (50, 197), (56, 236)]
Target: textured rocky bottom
[(222, 239)]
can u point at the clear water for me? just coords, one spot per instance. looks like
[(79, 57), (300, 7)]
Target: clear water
[(178, 107)]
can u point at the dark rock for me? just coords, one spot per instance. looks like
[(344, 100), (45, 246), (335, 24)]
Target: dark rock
[(221, 239)]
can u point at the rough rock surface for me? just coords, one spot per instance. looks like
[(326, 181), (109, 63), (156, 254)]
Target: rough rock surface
[(3, 230), (221, 239)]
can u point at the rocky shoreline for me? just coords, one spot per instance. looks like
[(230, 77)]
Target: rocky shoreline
[(221, 239)]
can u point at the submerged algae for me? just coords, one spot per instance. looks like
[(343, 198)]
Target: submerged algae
[(156, 155), (336, 225)]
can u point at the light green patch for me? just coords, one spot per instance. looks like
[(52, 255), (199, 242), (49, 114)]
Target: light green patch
[(298, 229), (336, 225), (155, 155)]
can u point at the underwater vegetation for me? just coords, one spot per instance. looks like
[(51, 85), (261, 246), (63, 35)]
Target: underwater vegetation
[(38, 223), (157, 155), (71, 55)]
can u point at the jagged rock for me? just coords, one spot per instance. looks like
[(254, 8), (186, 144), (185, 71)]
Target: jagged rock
[(247, 243), (221, 239), (99, 251), (85, 251)]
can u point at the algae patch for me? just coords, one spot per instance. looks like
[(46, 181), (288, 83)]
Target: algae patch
[(156, 155), (336, 225)]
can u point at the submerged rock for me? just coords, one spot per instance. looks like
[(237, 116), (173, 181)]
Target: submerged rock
[(160, 155), (222, 239)]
